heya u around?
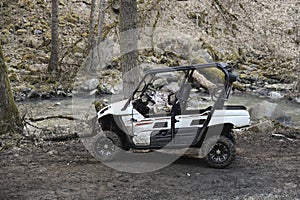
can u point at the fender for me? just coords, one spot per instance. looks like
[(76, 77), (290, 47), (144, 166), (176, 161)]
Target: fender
[(239, 118)]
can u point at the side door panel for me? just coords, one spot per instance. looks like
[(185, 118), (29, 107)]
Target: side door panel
[(187, 127)]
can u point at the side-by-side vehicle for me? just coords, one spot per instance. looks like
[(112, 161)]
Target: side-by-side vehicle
[(175, 107)]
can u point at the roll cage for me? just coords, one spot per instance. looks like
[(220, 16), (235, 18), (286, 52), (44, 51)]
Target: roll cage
[(219, 102)]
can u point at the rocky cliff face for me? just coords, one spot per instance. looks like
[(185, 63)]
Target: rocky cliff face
[(260, 38)]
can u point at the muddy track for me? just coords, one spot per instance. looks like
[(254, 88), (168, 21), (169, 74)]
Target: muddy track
[(265, 168)]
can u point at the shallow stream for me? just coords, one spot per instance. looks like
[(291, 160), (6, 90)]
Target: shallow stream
[(289, 108), (81, 107)]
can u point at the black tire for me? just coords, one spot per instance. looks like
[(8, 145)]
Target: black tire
[(221, 154), (106, 146), (231, 136)]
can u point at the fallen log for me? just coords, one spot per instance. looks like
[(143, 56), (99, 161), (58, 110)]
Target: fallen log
[(203, 81)]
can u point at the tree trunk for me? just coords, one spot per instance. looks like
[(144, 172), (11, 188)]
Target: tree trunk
[(101, 20), (91, 44), (10, 120), (128, 45), (92, 26), (101, 15), (53, 65)]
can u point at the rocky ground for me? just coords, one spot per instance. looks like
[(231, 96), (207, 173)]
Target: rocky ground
[(266, 167)]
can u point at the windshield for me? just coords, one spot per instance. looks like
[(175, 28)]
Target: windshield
[(142, 86)]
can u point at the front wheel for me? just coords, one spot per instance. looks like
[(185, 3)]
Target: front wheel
[(221, 154), (106, 146)]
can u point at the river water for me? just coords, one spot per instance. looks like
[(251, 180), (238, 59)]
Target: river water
[(83, 107), (289, 108)]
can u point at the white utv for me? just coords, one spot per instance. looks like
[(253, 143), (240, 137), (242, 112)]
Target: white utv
[(176, 107)]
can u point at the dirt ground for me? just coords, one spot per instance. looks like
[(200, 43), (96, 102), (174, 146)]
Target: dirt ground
[(265, 168)]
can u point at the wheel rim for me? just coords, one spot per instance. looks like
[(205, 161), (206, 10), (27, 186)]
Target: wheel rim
[(104, 147), (219, 153)]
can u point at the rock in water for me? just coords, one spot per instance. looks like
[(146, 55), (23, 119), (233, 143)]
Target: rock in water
[(275, 95), (268, 110), (33, 94), (297, 100)]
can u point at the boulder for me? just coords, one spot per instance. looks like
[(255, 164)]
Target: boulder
[(110, 88), (199, 55), (33, 94), (239, 86), (90, 84), (297, 99), (267, 110), (264, 126), (275, 95), (159, 83), (172, 87)]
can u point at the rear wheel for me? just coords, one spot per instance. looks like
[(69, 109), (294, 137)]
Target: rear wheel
[(221, 154), (106, 146)]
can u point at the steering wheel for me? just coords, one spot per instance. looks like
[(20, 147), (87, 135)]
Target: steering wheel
[(149, 98), (169, 99)]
